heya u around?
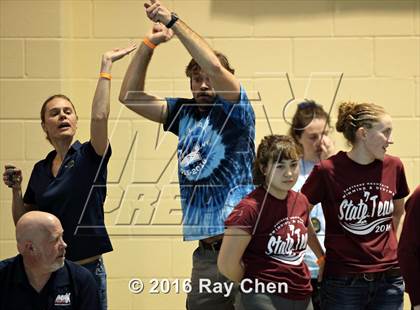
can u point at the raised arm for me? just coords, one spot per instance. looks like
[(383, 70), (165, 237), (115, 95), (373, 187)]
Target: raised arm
[(101, 100), (223, 81), (132, 92), (233, 247)]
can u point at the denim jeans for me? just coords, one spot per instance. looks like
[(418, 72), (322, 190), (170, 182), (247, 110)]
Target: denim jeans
[(97, 269), (260, 301), (356, 293)]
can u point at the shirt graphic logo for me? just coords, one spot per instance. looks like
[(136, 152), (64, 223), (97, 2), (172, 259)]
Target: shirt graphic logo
[(191, 158), (63, 300), (288, 241), (200, 151), (366, 214)]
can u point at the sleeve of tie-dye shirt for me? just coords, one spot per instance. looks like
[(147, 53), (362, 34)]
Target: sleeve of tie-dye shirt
[(241, 112), (174, 112), (177, 108)]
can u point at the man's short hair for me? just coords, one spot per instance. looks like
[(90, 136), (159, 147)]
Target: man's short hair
[(193, 66)]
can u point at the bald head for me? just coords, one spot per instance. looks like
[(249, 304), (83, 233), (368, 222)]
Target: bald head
[(35, 225), (40, 241)]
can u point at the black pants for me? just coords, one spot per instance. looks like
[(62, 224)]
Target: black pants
[(316, 294)]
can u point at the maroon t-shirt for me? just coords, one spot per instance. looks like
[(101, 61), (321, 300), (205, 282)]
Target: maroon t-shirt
[(357, 201), (279, 238), (409, 247)]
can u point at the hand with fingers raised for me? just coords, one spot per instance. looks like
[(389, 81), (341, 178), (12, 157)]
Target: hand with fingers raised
[(156, 12), (108, 58)]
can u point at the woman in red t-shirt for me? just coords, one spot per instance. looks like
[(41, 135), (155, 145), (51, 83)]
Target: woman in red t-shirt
[(267, 233), (362, 195), (409, 248)]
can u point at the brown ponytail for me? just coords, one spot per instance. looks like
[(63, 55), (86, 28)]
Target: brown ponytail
[(306, 111)]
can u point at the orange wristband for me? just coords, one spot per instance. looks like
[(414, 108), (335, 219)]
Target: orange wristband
[(320, 260), (149, 43), (105, 75)]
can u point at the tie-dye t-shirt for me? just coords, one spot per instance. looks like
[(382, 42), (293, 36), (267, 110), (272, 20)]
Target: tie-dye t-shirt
[(215, 157)]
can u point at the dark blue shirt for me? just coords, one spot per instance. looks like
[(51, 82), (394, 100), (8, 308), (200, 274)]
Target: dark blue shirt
[(76, 196), (70, 287), (215, 157)]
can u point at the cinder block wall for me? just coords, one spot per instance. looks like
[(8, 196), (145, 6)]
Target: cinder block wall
[(280, 49)]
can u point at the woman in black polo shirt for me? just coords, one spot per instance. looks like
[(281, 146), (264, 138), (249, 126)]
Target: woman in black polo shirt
[(71, 181)]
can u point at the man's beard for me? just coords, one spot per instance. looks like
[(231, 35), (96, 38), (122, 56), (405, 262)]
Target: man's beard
[(204, 101)]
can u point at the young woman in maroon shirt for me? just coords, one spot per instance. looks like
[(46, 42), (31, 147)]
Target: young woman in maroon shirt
[(267, 233), (362, 194), (409, 248)]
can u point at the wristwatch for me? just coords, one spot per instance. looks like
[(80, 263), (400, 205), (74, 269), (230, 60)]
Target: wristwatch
[(173, 20)]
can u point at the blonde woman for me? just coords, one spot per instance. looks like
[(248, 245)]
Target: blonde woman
[(362, 195)]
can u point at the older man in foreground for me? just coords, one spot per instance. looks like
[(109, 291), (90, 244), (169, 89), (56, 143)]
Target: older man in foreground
[(40, 277)]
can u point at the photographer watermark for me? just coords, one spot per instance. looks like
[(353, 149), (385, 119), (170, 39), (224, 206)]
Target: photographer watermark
[(160, 286), (177, 286)]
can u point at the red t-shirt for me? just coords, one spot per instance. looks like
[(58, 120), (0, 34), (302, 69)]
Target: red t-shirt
[(409, 247), (357, 201), (279, 238)]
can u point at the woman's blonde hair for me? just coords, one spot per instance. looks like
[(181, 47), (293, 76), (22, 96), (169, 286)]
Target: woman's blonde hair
[(352, 116)]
